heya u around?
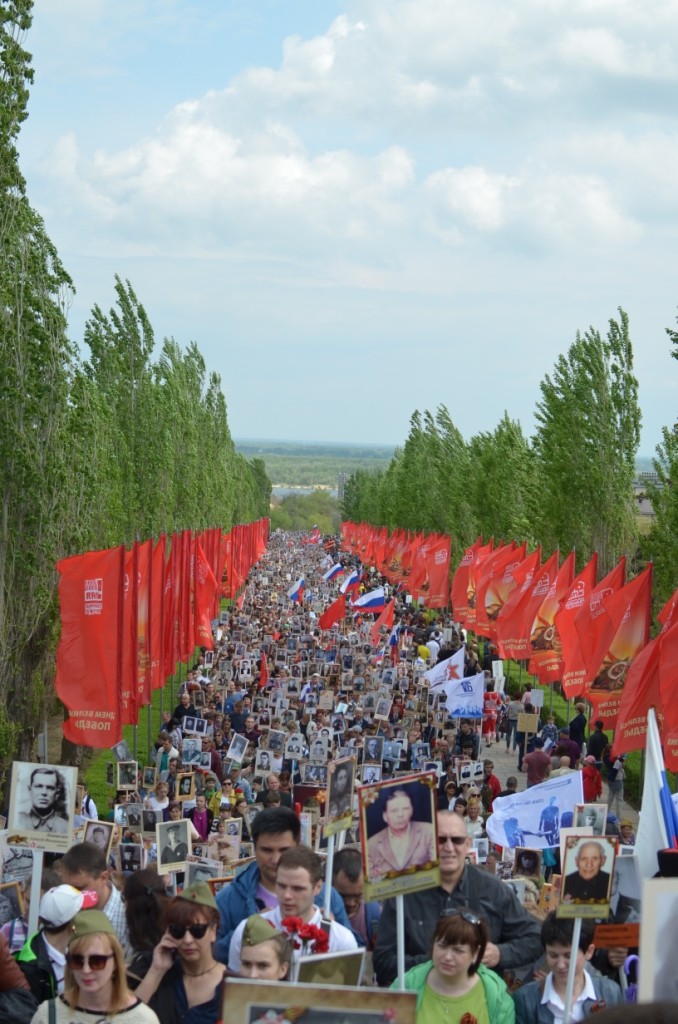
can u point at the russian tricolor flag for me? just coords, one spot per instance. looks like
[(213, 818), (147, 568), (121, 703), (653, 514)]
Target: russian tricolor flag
[(332, 573), (351, 581), (374, 601), (296, 591)]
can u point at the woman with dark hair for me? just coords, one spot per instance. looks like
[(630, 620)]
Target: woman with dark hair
[(145, 899), (183, 984), (455, 983)]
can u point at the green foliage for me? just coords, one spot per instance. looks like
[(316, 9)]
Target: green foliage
[(300, 464), (304, 511), (662, 543), (91, 454), (587, 440)]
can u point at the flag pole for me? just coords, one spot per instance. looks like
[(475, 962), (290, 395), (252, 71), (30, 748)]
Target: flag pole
[(569, 991)]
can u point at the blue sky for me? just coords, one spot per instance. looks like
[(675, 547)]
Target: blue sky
[(361, 208)]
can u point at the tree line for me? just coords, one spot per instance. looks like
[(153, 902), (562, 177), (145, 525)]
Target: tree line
[(96, 451), (569, 487)]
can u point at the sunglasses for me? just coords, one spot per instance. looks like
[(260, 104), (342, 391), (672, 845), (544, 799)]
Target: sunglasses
[(96, 961), (465, 915), (457, 840), (198, 931)]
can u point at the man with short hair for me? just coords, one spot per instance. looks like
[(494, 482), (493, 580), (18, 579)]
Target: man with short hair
[(466, 736), (298, 882), (348, 880), (47, 813), (511, 787), (274, 830), (514, 935), (537, 764), (84, 867)]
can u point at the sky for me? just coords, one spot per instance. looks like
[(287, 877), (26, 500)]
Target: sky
[(359, 208)]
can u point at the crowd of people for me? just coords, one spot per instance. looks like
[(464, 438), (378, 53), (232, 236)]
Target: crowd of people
[(242, 785)]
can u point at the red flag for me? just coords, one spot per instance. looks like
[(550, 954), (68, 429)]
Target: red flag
[(546, 648), (627, 613), (335, 613), (88, 667), (157, 614), (516, 584), (143, 647), (578, 644), (459, 590), (385, 619), (435, 587), (479, 556), (668, 673), (205, 589), (517, 638), (492, 569), (263, 672), (130, 710)]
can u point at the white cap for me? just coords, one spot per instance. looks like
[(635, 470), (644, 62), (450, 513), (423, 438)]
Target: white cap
[(60, 905)]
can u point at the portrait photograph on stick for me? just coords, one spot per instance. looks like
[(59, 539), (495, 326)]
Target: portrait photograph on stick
[(42, 805), (587, 876), (398, 835), (173, 840)]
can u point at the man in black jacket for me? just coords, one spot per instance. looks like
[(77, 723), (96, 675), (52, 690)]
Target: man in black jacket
[(514, 935)]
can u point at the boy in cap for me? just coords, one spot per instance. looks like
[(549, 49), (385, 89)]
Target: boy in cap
[(43, 956)]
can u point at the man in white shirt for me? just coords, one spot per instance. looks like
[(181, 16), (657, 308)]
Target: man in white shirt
[(298, 881)]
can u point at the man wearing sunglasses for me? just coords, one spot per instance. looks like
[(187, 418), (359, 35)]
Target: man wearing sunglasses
[(514, 935)]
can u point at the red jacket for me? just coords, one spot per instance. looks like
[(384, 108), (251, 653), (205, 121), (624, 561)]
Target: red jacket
[(592, 783)]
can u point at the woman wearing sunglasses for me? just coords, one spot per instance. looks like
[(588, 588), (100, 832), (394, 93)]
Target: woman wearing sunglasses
[(95, 980), (454, 982), (183, 984)]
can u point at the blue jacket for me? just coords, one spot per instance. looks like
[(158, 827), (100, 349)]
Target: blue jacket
[(237, 901), (530, 1010)]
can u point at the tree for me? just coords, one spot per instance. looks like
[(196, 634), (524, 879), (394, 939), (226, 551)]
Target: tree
[(587, 440), (662, 543)]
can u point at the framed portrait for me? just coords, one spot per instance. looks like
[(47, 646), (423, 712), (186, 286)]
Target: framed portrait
[(383, 709), (12, 903), (185, 789), (133, 816), (17, 864), (592, 816), (587, 876), (131, 857), (527, 862), (370, 773), (121, 751), (209, 659), (149, 820), (373, 750), (128, 773), (202, 870), (314, 774), (340, 788), (294, 746), (100, 833), (42, 805), (251, 1002), (191, 750), (343, 968), (237, 748), (173, 840), (200, 726), (276, 741), (318, 748), (188, 725), (149, 776), (398, 835)]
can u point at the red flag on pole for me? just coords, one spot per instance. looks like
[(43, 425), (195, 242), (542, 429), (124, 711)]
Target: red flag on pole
[(335, 613), (263, 671), (385, 619), (88, 666), (204, 588), (578, 643)]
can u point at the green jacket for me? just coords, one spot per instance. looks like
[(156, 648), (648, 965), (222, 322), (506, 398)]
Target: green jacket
[(500, 1006), (33, 959)]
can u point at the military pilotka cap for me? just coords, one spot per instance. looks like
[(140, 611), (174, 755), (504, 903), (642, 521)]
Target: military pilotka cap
[(199, 893), (91, 922), (258, 929)]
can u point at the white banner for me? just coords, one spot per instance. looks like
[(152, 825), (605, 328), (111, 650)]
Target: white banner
[(464, 697), (535, 817), (445, 671)]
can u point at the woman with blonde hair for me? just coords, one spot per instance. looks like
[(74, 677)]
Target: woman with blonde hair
[(95, 981)]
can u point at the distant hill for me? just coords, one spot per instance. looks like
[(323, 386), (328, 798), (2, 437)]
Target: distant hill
[(308, 464)]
